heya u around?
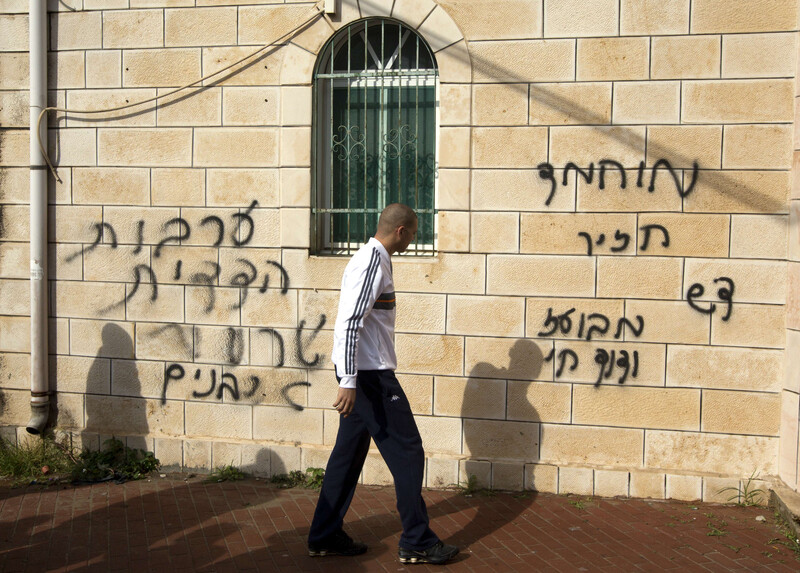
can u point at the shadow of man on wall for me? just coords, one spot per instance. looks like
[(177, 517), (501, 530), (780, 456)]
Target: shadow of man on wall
[(501, 433), (114, 406)]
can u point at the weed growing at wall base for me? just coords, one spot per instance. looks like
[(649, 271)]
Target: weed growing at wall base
[(34, 459), (225, 473), (310, 479), (746, 494), (114, 461)]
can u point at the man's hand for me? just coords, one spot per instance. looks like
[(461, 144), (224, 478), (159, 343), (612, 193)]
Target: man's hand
[(345, 400)]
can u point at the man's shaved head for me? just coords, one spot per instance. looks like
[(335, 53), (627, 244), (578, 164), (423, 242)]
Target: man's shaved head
[(396, 215)]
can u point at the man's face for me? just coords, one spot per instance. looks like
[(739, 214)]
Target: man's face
[(408, 234)]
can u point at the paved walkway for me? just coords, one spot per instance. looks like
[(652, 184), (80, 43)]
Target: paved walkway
[(176, 525)]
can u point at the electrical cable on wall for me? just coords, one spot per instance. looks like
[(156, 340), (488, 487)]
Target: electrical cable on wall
[(280, 40)]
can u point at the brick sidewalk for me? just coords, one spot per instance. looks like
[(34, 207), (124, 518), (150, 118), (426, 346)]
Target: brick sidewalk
[(171, 524)]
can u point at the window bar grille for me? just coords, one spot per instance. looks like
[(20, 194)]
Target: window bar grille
[(347, 116)]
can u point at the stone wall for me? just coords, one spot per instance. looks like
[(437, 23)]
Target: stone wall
[(607, 310)]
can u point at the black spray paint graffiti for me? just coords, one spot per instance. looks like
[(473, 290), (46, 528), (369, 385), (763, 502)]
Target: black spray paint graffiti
[(725, 295), (547, 172), (605, 360), (589, 325), (624, 239)]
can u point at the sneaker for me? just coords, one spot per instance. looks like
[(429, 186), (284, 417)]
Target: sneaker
[(337, 544), (438, 554)]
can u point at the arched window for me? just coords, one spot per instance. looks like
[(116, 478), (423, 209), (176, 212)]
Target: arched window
[(375, 134)]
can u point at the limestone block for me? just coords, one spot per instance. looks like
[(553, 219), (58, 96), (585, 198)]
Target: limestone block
[(451, 273), (234, 261), (376, 472), (605, 59), (137, 378), (523, 61), (758, 55), (787, 465), (232, 147), (441, 472), (420, 313), (14, 109), (295, 229), (308, 346), (314, 303), (647, 102), (265, 24), (501, 440), (541, 477), (725, 368), (169, 3), (518, 190), (106, 263), (170, 453), (570, 103), (751, 325), (419, 391), (133, 29), (218, 420), (89, 299), (539, 309), (494, 104), (13, 6), (670, 321), (440, 435), (270, 308), (540, 275), (495, 232), (455, 100), (381, 8), (578, 18), (440, 30), (564, 234), (163, 341), (80, 375), (687, 488), (412, 12), (284, 459), (75, 31), (240, 187), (272, 386), (715, 453), (508, 477), (757, 147), (430, 354), (221, 345), (650, 359), (208, 233), (663, 408), (197, 455), (212, 305), (539, 402), (654, 17), (115, 415), (16, 407), (257, 105), (312, 36), (287, 425), (191, 107), (508, 146), (295, 187), (454, 147), (740, 192), (103, 4), (126, 222), (200, 27), (639, 277), (317, 272), (72, 147), (589, 445), (577, 481), (455, 64), (711, 16), (741, 412), (689, 235), (720, 490), (15, 371), (131, 147), (452, 231), (755, 281), (59, 267), (647, 484), (687, 57), (737, 101), (13, 71), (178, 187), (685, 144), (486, 315), (506, 358), (580, 145), (793, 297), (256, 459), (759, 236), (295, 147), (14, 260), (65, 70), (791, 380), (16, 222), (298, 66), (115, 186), (260, 70), (331, 422), (454, 189), (469, 398), (172, 67), (58, 331), (69, 413), (609, 483), (103, 68)]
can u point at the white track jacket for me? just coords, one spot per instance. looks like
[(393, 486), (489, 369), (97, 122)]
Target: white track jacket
[(363, 336)]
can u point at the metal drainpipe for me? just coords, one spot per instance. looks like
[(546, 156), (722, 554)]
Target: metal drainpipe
[(40, 399)]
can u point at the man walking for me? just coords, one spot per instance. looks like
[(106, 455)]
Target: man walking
[(371, 403)]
